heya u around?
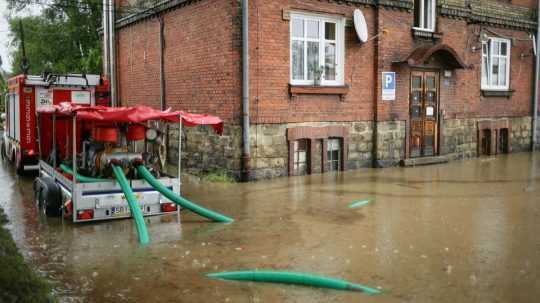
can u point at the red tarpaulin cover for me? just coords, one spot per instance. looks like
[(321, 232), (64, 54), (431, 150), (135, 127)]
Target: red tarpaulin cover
[(135, 114)]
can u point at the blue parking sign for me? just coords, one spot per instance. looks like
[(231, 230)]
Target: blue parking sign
[(389, 86)]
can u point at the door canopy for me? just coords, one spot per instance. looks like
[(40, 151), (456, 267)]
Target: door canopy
[(446, 55)]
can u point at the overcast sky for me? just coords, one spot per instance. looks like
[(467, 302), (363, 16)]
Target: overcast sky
[(4, 30)]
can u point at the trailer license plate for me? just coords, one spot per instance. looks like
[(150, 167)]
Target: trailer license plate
[(120, 211), (123, 211)]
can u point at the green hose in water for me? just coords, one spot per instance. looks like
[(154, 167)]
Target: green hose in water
[(81, 178), (133, 205), (359, 203), (212, 215), (287, 277)]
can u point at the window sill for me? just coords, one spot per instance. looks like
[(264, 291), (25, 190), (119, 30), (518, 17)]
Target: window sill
[(296, 90), (497, 93), (425, 33)]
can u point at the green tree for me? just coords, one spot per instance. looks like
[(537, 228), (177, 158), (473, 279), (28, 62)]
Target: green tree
[(64, 38)]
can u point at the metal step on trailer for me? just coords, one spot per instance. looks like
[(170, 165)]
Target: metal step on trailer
[(424, 161)]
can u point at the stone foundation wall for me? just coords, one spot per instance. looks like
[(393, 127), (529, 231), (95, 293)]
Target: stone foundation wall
[(204, 151), (390, 143), (459, 138), (521, 134)]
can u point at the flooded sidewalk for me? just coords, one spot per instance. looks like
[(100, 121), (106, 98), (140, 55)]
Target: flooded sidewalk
[(467, 231)]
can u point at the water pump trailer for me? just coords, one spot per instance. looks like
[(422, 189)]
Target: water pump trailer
[(99, 162)]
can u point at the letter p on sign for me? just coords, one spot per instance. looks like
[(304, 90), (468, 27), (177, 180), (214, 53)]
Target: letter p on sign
[(389, 86)]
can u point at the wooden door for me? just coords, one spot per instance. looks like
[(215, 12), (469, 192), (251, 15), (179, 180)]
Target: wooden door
[(424, 113)]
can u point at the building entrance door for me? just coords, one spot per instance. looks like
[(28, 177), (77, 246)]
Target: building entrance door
[(424, 113)]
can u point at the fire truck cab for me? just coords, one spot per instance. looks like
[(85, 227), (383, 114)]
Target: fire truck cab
[(26, 94)]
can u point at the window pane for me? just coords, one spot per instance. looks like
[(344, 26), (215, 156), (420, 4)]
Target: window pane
[(417, 82), (312, 29), (298, 28), (312, 59), (417, 13), (330, 31), (428, 14), (485, 72), (495, 72), (330, 61), (495, 50), (503, 48), (430, 82), (298, 60), (302, 156), (502, 72)]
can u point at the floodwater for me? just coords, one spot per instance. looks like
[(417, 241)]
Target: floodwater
[(467, 231)]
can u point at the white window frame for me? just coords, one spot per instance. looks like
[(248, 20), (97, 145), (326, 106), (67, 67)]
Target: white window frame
[(421, 26), (486, 83), (334, 144), (339, 42)]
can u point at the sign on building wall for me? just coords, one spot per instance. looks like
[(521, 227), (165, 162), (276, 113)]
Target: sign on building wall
[(389, 86)]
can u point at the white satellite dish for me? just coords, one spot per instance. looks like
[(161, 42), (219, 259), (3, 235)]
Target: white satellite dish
[(360, 25)]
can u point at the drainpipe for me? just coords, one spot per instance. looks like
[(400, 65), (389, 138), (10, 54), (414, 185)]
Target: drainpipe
[(245, 91), (112, 52), (162, 101), (105, 20), (374, 134), (536, 79)]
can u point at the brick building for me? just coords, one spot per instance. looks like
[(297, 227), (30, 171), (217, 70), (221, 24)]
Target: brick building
[(464, 74)]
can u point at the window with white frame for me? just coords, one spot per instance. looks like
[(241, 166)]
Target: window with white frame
[(496, 64), (317, 49), (424, 14), (333, 154)]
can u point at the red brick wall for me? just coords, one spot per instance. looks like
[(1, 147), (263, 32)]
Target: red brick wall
[(202, 60), (270, 100), (203, 64), (462, 97)]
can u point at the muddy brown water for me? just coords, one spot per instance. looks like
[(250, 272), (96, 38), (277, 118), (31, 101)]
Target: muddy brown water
[(467, 231)]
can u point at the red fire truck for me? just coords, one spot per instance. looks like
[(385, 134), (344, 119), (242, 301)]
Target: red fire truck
[(26, 94)]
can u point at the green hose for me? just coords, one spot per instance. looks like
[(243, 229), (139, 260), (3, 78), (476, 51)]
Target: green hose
[(212, 215), (359, 203), (81, 178), (294, 278), (133, 205)]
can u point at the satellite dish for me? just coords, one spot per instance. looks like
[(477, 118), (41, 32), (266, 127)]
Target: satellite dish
[(360, 25)]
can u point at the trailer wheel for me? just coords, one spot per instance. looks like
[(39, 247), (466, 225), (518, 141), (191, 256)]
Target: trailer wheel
[(49, 197)]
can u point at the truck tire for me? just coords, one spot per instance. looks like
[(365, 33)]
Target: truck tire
[(19, 166), (3, 150), (49, 197)]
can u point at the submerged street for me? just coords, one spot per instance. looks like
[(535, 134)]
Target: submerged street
[(467, 231)]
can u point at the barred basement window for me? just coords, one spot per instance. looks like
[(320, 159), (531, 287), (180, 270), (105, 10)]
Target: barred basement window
[(300, 157), (333, 152), (496, 64), (424, 14), (317, 49)]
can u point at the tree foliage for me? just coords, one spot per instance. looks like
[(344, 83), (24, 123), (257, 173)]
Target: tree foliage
[(64, 38)]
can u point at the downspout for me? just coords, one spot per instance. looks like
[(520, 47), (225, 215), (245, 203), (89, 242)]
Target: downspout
[(245, 91), (162, 102), (374, 134), (112, 52), (105, 20), (536, 79)]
